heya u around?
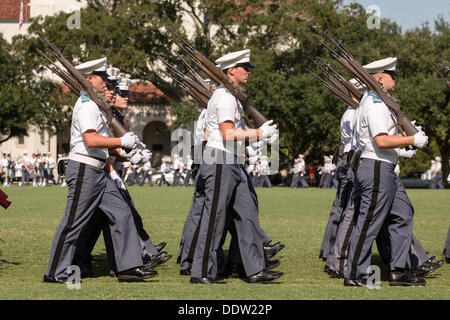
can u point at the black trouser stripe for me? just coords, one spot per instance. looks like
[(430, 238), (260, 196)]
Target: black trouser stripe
[(195, 238), (373, 203), (68, 226), (346, 243), (212, 218)]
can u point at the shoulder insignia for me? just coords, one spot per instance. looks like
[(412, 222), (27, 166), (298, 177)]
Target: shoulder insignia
[(376, 99), (85, 98)]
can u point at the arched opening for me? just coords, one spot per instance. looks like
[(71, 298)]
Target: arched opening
[(157, 138)]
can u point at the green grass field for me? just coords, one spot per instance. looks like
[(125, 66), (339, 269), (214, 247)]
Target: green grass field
[(297, 218)]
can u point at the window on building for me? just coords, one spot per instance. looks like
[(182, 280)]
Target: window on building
[(21, 139)]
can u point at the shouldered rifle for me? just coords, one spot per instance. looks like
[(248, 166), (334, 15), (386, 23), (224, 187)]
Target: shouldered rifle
[(112, 123), (356, 69), (348, 100), (440, 75), (220, 77)]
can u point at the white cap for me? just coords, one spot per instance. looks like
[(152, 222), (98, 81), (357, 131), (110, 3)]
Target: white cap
[(386, 65), (358, 85), (326, 158), (300, 155), (437, 158), (113, 74), (235, 58), (124, 84), (92, 66)]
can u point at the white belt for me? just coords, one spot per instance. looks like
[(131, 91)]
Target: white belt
[(87, 160)]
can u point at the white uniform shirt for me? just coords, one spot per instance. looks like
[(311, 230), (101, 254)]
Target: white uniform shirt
[(87, 116), (301, 166), (164, 167), (51, 162), (265, 167), (327, 167), (199, 128), (189, 164), (147, 166), (222, 106), (347, 128), (372, 119), (4, 162), (176, 164), (436, 167)]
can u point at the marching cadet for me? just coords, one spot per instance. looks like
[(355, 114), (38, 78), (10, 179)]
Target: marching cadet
[(90, 187), (176, 170), (335, 243), (382, 198), (189, 176), (436, 174), (164, 169), (147, 174), (151, 254), (4, 170), (302, 171), (265, 170), (224, 176)]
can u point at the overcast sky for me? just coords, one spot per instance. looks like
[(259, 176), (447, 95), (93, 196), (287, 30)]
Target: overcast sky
[(409, 13)]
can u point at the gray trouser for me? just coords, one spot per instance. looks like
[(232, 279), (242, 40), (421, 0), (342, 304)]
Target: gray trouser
[(337, 208), (382, 198), (226, 189), (98, 223), (192, 225), (191, 228), (90, 188), (447, 245), (436, 182), (295, 179)]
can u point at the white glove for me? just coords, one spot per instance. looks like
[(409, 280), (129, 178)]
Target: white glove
[(273, 138), (129, 140), (254, 159), (267, 130), (417, 127), (137, 157), (420, 140), (115, 177), (253, 151), (146, 155), (408, 154), (128, 155), (257, 145)]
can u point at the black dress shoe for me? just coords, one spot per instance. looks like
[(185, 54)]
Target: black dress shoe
[(277, 246), (186, 272), (264, 276), (427, 268), (270, 253), (54, 279), (405, 279), (157, 260), (335, 274), (355, 283), (205, 281), (447, 260), (136, 274), (160, 246), (431, 259), (271, 264), (326, 268)]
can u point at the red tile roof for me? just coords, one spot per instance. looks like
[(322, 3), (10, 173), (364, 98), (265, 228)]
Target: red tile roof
[(10, 9), (146, 93)]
